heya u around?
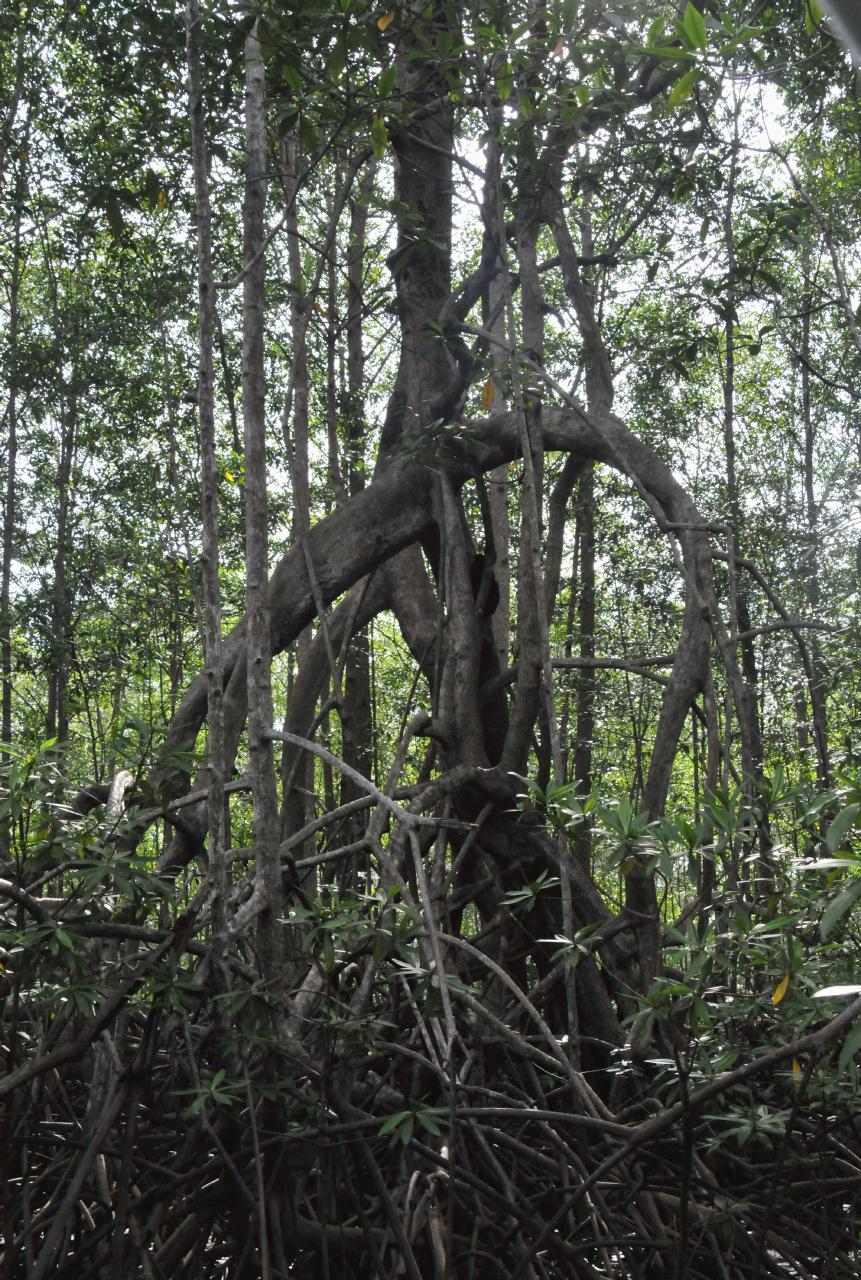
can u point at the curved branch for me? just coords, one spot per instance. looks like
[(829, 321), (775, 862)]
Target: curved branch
[(396, 510)]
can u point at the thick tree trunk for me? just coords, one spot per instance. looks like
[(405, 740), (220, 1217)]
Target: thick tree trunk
[(421, 262)]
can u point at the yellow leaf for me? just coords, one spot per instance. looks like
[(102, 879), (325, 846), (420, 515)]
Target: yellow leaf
[(628, 866), (229, 476), (780, 990), (559, 50), (796, 1072), (385, 19), (162, 200), (488, 394)]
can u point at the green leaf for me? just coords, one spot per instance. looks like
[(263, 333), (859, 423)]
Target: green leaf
[(386, 82), (403, 1123), (695, 27), (427, 1121), (841, 906), (505, 81), (812, 16), (851, 1047), (683, 88), (392, 1123), (379, 135), (655, 33), (309, 136), (840, 827), (770, 927), (337, 59)]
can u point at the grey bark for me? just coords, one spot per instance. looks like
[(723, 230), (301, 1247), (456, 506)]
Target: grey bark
[(356, 724), (294, 424), (811, 567), (396, 511), (10, 496), (584, 715), (209, 486), (421, 262), (258, 626)]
